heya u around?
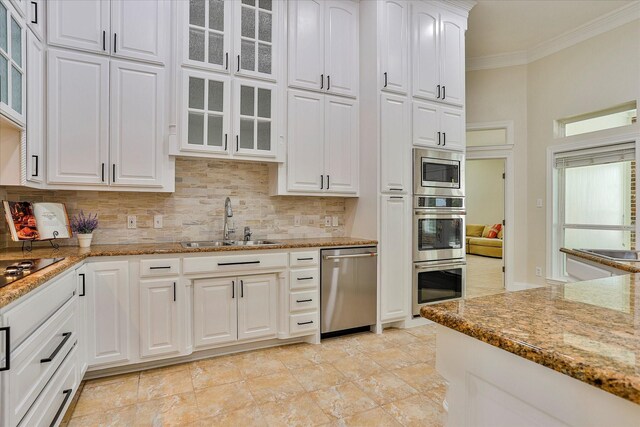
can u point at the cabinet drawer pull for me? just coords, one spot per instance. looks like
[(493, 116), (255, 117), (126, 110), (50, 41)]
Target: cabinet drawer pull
[(328, 82), (444, 92), (385, 79), (115, 42), (305, 259), (103, 172), (241, 288), (35, 12), (67, 395), (322, 182), (164, 267), (327, 182), (304, 300), (304, 278), (104, 40), (174, 291), (438, 95), (444, 138), (113, 177), (396, 197), (221, 264), (36, 159), (395, 189), (225, 142), (321, 81), (83, 285), (233, 289), (66, 336), (305, 323), (7, 347), (237, 143), (226, 56), (238, 63)]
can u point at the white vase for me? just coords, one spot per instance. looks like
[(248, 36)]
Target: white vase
[(84, 240)]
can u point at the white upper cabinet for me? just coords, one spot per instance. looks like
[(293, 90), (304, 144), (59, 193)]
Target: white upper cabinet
[(438, 54), (134, 29), (35, 17), (341, 47), (12, 64), (206, 112), (437, 125), (395, 146), (78, 118), (137, 124), (323, 46), (341, 145), (254, 125), (394, 46), (306, 44), (323, 144), (207, 34), (255, 38), (80, 24), (306, 125), (140, 29), (35, 109)]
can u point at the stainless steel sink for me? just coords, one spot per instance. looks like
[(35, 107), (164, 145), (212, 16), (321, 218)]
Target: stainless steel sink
[(218, 243), (206, 244), (254, 243), (616, 255)]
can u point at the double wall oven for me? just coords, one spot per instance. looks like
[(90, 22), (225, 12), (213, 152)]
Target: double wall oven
[(438, 227)]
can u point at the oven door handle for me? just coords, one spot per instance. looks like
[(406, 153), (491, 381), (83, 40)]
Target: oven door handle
[(438, 267), (365, 255), (427, 211)]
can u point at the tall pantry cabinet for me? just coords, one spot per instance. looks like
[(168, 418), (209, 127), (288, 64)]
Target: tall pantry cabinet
[(412, 72)]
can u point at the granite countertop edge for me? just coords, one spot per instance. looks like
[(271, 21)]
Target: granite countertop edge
[(610, 381), (620, 265), (74, 255)]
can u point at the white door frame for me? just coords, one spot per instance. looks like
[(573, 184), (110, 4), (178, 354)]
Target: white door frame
[(505, 152)]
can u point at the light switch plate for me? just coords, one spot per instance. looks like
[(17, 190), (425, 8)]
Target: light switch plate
[(132, 221), (157, 221)]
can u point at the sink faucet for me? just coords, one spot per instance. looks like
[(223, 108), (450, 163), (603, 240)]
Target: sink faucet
[(247, 234), (228, 213)]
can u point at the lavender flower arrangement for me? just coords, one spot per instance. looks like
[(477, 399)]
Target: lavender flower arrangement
[(84, 224)]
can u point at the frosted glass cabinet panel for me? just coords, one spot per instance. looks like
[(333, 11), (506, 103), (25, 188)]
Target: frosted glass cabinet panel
[(254, 37), (206, 114), (253, 118), (207, 42), (12, 63)]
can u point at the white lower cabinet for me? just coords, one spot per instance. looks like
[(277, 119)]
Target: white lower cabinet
[(234, 308), (108, 313), (395, 261), (81, 277), (162, 305)]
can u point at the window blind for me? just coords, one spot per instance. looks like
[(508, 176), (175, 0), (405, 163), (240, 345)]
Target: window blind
[(596, 156)]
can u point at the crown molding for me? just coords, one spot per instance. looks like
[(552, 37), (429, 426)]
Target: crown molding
[(603, 24), (465, 5)]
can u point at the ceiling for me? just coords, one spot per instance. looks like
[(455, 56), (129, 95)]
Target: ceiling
[(509, 26)]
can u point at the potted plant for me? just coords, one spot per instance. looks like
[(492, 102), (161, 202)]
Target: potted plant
[(83, 225)]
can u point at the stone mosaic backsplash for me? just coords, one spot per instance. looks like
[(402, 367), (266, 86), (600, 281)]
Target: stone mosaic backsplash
[(196, 210)]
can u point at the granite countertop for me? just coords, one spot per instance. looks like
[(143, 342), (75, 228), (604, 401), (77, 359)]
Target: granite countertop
[(631, 267), (74, 255), (588, 330)]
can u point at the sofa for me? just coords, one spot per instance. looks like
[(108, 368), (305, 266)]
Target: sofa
[(484, 240)]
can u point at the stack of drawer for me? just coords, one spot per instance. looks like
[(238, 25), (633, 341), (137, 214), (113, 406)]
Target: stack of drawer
[(304, 296), (43, 372)]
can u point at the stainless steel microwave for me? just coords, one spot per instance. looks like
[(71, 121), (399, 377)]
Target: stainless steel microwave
[(438, 172)]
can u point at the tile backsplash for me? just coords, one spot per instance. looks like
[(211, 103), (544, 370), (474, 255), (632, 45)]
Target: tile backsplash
[(195, 211)]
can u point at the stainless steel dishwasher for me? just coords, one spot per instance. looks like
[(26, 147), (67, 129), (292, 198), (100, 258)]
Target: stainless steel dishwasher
[(348, 290)]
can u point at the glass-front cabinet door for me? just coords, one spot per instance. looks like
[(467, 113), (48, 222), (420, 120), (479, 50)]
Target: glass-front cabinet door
[(254, 127), (254, 37), (12, 61), (206, 113), (208, 34)]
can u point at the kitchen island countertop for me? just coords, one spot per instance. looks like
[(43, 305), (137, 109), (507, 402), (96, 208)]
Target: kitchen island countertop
[(587, 330)]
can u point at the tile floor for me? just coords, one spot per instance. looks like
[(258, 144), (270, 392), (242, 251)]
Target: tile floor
[(357, 380), (484, 276)]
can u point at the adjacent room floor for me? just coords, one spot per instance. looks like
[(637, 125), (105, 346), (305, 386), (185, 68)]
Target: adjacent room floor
[(357, 380), (484, 276)]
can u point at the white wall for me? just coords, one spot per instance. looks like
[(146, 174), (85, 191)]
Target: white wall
[(485, 191), (501, 95)]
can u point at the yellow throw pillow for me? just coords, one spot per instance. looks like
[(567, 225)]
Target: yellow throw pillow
[(485, 232), (474, 230)]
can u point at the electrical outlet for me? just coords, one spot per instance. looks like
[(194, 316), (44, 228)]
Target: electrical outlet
[(296, 221), (327, 221), (539, 271), (335, 221), (539, 203), (157, 221), (132, 221)]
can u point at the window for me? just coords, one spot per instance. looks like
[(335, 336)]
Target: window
[(595, 198), (621, 115)]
